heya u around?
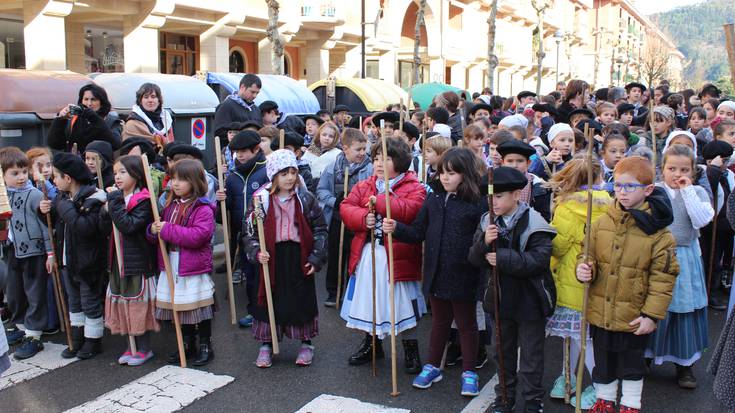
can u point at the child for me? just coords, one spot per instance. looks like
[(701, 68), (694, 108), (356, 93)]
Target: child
[(561, 141), (435, 147), (103, 151), (407, 195), (526, 290), (130, 300), (446, 223), (330, 192), (474, 140), (697, 122), (498, 138), (682, 336), (614, 147), (269, 110), (625, 113), (570, 216), (232, 129), (82, 241), (29, 259), (322, 152), (517, 155), (268, 134), (247, 177), (631, 269), (662, 124), (725, 131), (142, 146), (187, 226), (606, 113), (295, 236), (311, 124), (726, 110), (295, 143)]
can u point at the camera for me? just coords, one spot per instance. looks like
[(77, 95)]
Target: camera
[(75, 110)]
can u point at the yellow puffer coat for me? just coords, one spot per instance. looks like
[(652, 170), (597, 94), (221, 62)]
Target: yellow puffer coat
[(633, 273), (570, 217)]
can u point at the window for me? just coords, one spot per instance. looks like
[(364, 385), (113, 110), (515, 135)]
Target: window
[(12, 49), (179, 54), (237, 62), (405, 71), (372, 69)]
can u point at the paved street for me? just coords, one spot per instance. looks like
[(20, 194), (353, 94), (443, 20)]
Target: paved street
[(235, 384)]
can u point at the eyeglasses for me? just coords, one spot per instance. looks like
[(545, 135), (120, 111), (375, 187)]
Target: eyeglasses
[(627, 188)]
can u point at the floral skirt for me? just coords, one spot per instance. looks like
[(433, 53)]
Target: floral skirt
[(564, 323)]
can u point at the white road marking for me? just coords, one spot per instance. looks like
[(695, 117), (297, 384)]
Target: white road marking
[(326, 403), (167, 389), (45, 361), (484, 400)]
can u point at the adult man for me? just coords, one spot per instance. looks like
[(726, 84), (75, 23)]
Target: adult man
[(239, 106)]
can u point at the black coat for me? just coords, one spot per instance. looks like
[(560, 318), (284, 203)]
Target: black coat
[(87, 128), (81, 229), (230, 111), (447, 227), (138, 258)]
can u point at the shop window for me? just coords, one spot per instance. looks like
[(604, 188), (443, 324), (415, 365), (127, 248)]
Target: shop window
[(179, 54), (103, 50), (12, 49)]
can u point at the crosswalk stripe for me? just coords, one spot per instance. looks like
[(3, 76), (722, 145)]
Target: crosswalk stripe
[(327, 403), (484, 400), (167, 389), (45, 361)]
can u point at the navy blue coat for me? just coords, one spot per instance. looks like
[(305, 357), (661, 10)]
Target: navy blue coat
[(241, 184)]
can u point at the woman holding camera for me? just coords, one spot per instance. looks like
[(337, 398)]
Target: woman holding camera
[(89, 120)]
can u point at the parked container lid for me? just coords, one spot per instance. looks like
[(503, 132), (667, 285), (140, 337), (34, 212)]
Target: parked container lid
[(181, 94), (38, 91), (423, 93), (292, 97), (375, 94)]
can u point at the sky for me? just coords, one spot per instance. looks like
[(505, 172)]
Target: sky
[(656, 6)]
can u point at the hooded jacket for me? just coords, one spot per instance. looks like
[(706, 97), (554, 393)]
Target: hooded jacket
[(241, 184), (104, 150)]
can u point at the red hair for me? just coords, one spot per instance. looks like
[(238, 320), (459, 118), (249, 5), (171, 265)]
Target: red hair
[(638, 167)]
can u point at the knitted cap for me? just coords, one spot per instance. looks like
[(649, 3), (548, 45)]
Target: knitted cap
[(558, 128), (278, 161)]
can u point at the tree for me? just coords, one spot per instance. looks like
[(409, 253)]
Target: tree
[(417, 41), (540, 6), (654, 61), (492, 59), (274, 37)]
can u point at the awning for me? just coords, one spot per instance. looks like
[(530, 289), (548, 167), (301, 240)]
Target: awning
[(38, 91), (361, 95), (423, 93)]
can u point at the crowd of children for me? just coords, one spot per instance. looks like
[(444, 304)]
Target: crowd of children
[(488, 218)]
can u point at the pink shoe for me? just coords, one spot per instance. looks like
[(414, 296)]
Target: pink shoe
[(306, 355), (125, 358), (140, 358), (265, 357)]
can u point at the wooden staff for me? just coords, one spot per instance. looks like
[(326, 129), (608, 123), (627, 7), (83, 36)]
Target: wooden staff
[(422, 139), (651, 119), (116, 242), (496, 295), (259, 213), (400, 117), (389, 247), (713, 242), (225, 231), (585, 297), (282, 139), (371, 208), (567, 372), (55, 276), (166, 263), (340, 259)]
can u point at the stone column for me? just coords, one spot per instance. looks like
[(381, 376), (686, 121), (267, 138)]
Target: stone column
[(44, 34)]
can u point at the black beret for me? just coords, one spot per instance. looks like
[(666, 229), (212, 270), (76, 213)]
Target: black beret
[(245, 140), (251, 124), (289, 139), (478, 106), (341, 108), (234, 126), (716, 148), (635, 84), (315, 118), (268, 105), (146, 147), (185, 149), (507, 179), (388, 117), (582, 111), (525, 93), (409, 129), (514, 146), (597, 126), (625, 107), (73, 166), (545, 107)]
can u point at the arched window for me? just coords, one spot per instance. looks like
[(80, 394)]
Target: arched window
[(237, 62), (287, 64)]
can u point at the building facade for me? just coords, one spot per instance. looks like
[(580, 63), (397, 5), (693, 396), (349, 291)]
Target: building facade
[(601, 41)]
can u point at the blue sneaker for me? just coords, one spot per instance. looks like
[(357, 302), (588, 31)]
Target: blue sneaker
[(246, 321), (15, 336), (470, 384), (30, 347), (428, 376)]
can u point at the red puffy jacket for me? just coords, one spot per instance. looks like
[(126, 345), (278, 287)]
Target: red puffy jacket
[(406, 199)]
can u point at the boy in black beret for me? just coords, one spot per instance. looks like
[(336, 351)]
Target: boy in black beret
[(294, 143), (82, 241), (269, 110), (249, 175), (232, 129), (341, 116), (311, 124), (525, 291), (517, 155)]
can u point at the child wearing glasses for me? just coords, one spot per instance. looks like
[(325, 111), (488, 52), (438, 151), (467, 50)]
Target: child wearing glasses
[(632, 270), (681, 337)]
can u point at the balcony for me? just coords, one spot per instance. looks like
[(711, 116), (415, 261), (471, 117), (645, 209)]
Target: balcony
[(321, 14)]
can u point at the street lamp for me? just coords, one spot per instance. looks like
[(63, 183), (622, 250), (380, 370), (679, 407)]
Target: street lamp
[(558, 35)]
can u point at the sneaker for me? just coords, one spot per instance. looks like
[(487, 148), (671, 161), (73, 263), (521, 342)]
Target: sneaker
[(588, 398), (50, 331), (15, 336), (264, 357), (557, 392), (481, 358), (28, 348), (626, 409), (140, 358), (428, 376), (454, 354), (603, 406), (237, 277), (246, 321), (331, 300), (125, 357), (470, 384), (306, 355)]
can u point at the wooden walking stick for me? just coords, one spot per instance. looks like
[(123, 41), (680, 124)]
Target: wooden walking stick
[(567, 372), (55, 276), (282, 139), (389, 248), (713, 243), (166, 263), (371, 208), (651, 119), (225, 232), (496, 295), (400, 116), (259, 213), (585, 297), (116, 242), (340, 258), (422, 139)]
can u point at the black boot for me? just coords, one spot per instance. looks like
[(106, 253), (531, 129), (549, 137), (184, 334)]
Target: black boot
[(205, 353), (412, 359), (190, 350), (90, 348), (365, 353), (685, 377), (77, 339)]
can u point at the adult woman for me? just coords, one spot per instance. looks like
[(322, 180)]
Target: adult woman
[(89, 120), (450, 102), (576, 96), (148, 119)]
